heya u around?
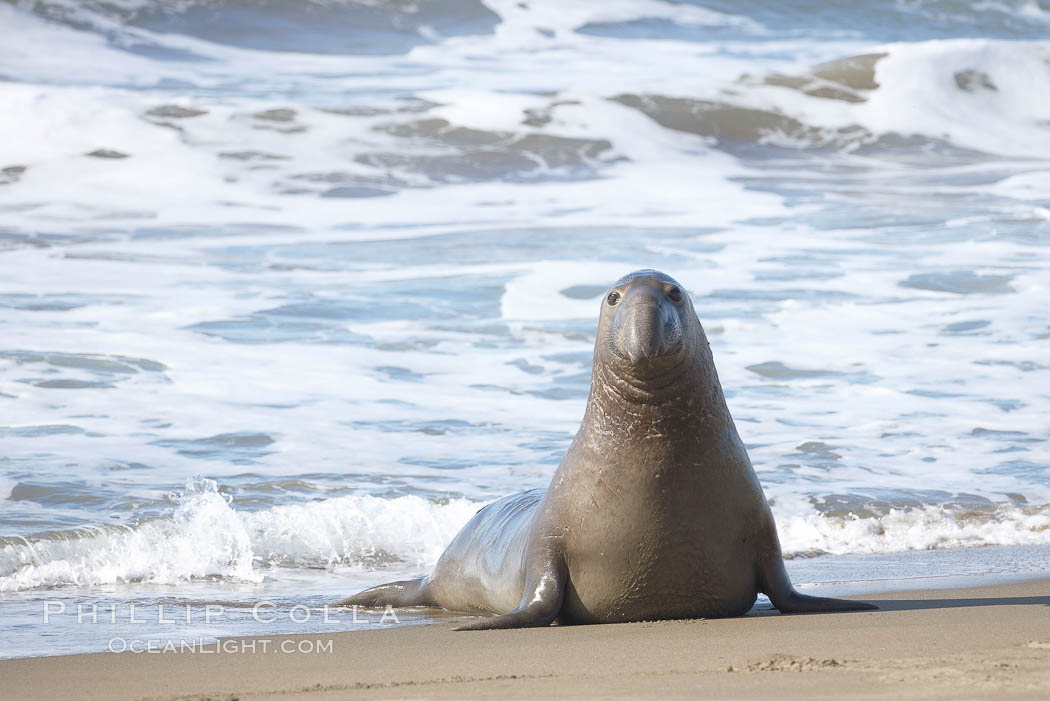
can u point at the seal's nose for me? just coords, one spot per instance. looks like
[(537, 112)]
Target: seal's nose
[(641, 320)]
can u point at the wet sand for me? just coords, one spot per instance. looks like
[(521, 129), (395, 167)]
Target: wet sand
[(987, 642)]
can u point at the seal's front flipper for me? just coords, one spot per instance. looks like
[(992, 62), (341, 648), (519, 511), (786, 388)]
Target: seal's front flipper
[(775, 583), (794, 602), (541, 602), (408, 592)]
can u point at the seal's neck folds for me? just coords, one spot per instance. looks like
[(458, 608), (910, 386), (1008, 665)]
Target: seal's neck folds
[(678, 405)]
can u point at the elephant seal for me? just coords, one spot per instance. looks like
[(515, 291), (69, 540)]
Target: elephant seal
[(655, 511)]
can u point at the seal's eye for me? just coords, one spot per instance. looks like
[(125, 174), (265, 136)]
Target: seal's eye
[(613, 298), (675, 295)]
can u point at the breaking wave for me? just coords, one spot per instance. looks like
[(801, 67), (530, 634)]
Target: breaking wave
[(806, 532), (206, 537)]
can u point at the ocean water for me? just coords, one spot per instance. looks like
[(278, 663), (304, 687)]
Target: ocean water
[(289, 290)]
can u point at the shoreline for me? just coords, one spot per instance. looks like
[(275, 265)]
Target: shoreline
[(849, 575), (975, 642)]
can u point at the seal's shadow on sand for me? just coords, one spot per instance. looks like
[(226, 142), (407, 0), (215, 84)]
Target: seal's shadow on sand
[(764, 608), (920, 604), (886, 605)]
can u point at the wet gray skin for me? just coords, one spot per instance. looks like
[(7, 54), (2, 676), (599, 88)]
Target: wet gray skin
[(655, 511)]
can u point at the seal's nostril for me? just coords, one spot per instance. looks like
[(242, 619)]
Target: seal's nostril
[(644, 346)]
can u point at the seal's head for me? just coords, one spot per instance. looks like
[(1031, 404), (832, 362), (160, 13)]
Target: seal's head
[(647, 328)]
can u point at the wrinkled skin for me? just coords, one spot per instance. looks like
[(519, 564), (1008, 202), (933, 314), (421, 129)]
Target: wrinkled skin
[(655, 511)]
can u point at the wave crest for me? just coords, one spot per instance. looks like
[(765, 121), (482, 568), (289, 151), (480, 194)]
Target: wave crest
[(206, 537), (806, 532)]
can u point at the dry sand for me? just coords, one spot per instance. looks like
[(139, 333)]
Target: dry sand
[(989, 642)]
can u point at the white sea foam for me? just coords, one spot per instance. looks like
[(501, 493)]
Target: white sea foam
[(995, 84), (562, 19), (203, 537), (207, 537), (805, 531)]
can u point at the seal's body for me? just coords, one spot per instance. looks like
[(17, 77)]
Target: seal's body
[(655, 512)]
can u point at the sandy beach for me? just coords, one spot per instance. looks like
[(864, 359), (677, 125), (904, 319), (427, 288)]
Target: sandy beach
[(986, 642)]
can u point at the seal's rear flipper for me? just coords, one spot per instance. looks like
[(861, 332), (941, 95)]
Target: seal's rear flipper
[(775, 583), (407, 592)]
